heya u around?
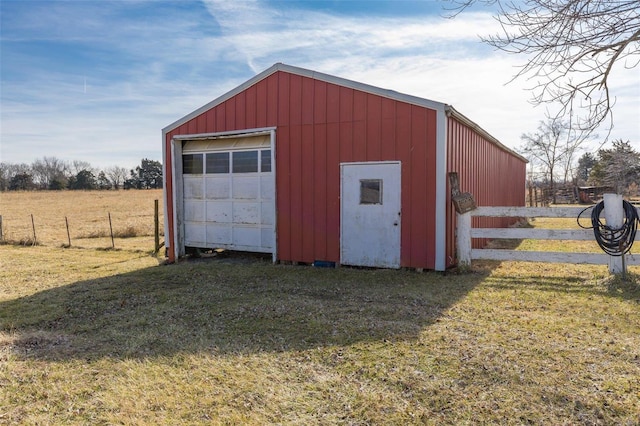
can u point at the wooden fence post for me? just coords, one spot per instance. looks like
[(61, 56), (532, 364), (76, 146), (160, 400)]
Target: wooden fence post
[(614, 215), (463, 238), (68, 233), (33, 226), (113, 244)]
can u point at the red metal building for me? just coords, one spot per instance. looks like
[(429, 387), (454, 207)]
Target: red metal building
[(312, 167)]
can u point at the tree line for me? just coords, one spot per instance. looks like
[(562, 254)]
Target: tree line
[(51, 173), (553, 152)]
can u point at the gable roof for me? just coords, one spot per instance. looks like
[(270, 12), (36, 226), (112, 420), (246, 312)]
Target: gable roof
[(390, 94)]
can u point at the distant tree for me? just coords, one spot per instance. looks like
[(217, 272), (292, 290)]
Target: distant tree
[(117, 175), (57, 184), (102, 182), (5, 176), (618, 167), (549, 148), (148, 175), (571, 47), (47, 169), (9, 170), (85, 179), (586, 163), (76, 166), (21, 182)]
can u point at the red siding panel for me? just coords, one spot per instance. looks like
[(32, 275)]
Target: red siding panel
[(251, 106), (388, 130), (283, 200), (420, 189), (374, 122), (272, 99), (284, 99), (261, 105), (320, 102), (294, 196), (221, 119), (403, 153), (333, 103), (346, 141), (319, 190), (241, 109), (333, 192), (308, 104), (346, 104), (230, 114), (295, 100), (308, 233)]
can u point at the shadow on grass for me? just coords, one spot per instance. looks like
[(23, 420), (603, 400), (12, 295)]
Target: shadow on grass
[(226, 307), (627, 288)]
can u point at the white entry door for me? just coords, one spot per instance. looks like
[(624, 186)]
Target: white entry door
[(370, 214)]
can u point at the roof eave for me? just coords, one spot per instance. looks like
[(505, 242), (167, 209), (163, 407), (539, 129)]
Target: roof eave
[(452, 112)]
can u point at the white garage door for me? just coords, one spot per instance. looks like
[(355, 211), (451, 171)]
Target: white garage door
[(229, 194)]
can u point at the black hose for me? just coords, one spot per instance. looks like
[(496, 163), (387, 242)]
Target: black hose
[(614, 242)]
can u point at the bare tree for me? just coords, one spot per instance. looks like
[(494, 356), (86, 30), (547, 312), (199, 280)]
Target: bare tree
[(117, 175), (9, 170), (49, 169), (546, 150), (76, 166), (573, 144), (572, 46)]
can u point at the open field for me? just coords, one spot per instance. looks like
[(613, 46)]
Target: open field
[(94, 336), (87, 213)]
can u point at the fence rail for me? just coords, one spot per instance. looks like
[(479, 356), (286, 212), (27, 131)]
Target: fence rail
[(465, 233)]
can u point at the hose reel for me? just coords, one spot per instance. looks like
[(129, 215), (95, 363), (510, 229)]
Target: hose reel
[(614, 241)]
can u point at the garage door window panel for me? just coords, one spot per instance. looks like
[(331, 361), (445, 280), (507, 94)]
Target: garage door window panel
[(218, 163), (245, 162), (265, 160), (192, 164)]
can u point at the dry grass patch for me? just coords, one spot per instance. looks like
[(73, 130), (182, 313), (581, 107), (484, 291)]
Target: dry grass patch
[(87, 213), (113, 339)]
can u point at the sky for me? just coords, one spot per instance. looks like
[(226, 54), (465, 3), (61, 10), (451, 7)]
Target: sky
[(97, 81)]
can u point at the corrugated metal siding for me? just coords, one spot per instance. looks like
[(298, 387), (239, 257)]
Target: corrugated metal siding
[(494, 177), (319, 125)]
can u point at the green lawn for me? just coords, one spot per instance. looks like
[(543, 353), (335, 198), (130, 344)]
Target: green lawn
[(109, 337)]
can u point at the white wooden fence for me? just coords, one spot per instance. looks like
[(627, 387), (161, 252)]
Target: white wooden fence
[(465, 232)]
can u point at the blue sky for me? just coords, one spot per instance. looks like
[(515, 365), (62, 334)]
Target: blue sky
[(98, 80)]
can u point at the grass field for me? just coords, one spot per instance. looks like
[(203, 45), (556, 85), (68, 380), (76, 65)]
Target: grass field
[(93, 336), (86, 212)]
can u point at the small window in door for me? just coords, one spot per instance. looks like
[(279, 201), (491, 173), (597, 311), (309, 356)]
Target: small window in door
[(370, 191), (218, 162), (192, 164), (245, 161)]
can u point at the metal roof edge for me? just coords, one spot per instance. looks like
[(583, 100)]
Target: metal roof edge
[(452, 112)]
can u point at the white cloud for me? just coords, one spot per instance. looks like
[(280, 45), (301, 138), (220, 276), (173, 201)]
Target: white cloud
[(143, 74)]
